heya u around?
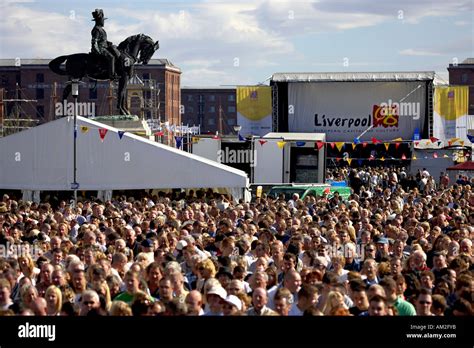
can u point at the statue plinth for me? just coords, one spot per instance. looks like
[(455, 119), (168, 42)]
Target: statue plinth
[(127, 123)]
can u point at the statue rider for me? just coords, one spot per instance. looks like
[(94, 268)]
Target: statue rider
[(100, 45)]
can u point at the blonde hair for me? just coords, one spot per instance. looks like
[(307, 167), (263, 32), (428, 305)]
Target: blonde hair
[(120, 309), (330, 307), (59, 297)]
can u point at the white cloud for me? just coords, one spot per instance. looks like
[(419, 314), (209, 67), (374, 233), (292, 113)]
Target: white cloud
[(413, 52)]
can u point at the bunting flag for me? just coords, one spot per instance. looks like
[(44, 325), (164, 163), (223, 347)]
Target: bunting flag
[(120, 134), (375, 141), (179, 140), (417, 143), (339, 145), (404, 157), (195, 140), (102, 133), (445, 156), (332, 145), (300, 143), (386, 146), (356, 141), (159, 134), (397, 145), (453, 141), (414, 158), (360, 162), (353, 146), (435, 155), (241, 138), (433, 139), (371, 157), (327, 190), (319, 145), (349, 160), (364, 144), (262, 142), (382, 159), (281, 144), (471, 138), (398, 139), (84, 129), (216, 137), (338, 159)]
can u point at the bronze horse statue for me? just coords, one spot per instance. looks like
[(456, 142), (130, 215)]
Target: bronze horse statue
[(135, 49)]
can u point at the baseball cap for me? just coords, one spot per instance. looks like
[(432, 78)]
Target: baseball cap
[(383, 240), (181, 244), (235, 301)]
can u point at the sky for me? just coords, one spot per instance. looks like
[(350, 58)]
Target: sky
[(244, 42)]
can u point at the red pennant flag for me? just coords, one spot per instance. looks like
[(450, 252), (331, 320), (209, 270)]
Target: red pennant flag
[(371, 158), (338, 159), (433, 139), (404, 157), (397, 145), (364, 144), (416, 143), (319, 145), (332, 145), (327, 190), (262, 142), (375, 140), (159, 134), (435, 155), (102, 133)]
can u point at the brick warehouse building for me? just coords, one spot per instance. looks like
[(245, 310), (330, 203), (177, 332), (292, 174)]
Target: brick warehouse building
[(462, 74), (214, 108), (32, 80)]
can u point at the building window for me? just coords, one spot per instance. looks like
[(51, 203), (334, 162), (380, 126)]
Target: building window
[(201, 98), (231, 109), (40, 111), (212, 98), (212, 109), (211, 122), (231, 97), (464, 78), (40, 77), (92, 93), (146, 76), (39, 93), (190, 97), (231, 121)]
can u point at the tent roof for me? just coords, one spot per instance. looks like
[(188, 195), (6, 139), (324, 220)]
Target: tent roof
[(462, 166), (353, 76), (297, 136), (41, 158)]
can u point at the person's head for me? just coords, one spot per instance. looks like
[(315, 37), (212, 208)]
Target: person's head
[(426, 279), (131, 281), (375, 289), (258, 280), (334, 301), (89, 301), (396, 265), (5, 291), (79, 281), (232, 305), (165, 289), (370, 268), (377, 306), (215, 297), (359, 295), (46, 271), (259, 298), (292, 281), (206, 269), (423, 302), (28, 294), (307, 296), (235, 287), (283, 301), (193, 303), (53, 298), (120, 309), (462, 307), (39, 306), (439, 305), (390, 287)]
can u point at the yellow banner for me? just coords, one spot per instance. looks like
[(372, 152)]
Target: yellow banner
[(254, 102), (451, 102)]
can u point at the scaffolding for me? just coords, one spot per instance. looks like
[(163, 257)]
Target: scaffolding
[(143, 98), (13, 123)]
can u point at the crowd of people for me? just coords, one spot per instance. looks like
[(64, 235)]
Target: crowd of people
[(400, 245)]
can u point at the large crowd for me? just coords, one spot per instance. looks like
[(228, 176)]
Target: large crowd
[(400, 245)]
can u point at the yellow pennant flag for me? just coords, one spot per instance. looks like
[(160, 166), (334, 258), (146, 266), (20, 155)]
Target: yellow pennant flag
[(413, 158), (339, 145), (382, 159), (386, 146), (349, 160), (353, 146), (84, 129), (281, 144), (195, 140), (398, 139)]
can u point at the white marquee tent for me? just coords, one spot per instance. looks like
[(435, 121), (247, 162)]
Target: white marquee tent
[(41, 159)]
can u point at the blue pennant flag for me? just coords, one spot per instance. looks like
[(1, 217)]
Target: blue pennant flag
[(471, 138), (356, 141), (120, 134), (241, 138), (179, 140), (360, 162), (300, 143)]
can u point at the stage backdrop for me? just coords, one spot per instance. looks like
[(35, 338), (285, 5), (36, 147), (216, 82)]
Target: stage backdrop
[(344, 110), (450, 117), (254, 110)]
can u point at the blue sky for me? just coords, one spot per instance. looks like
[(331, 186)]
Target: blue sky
[(230, 42)]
